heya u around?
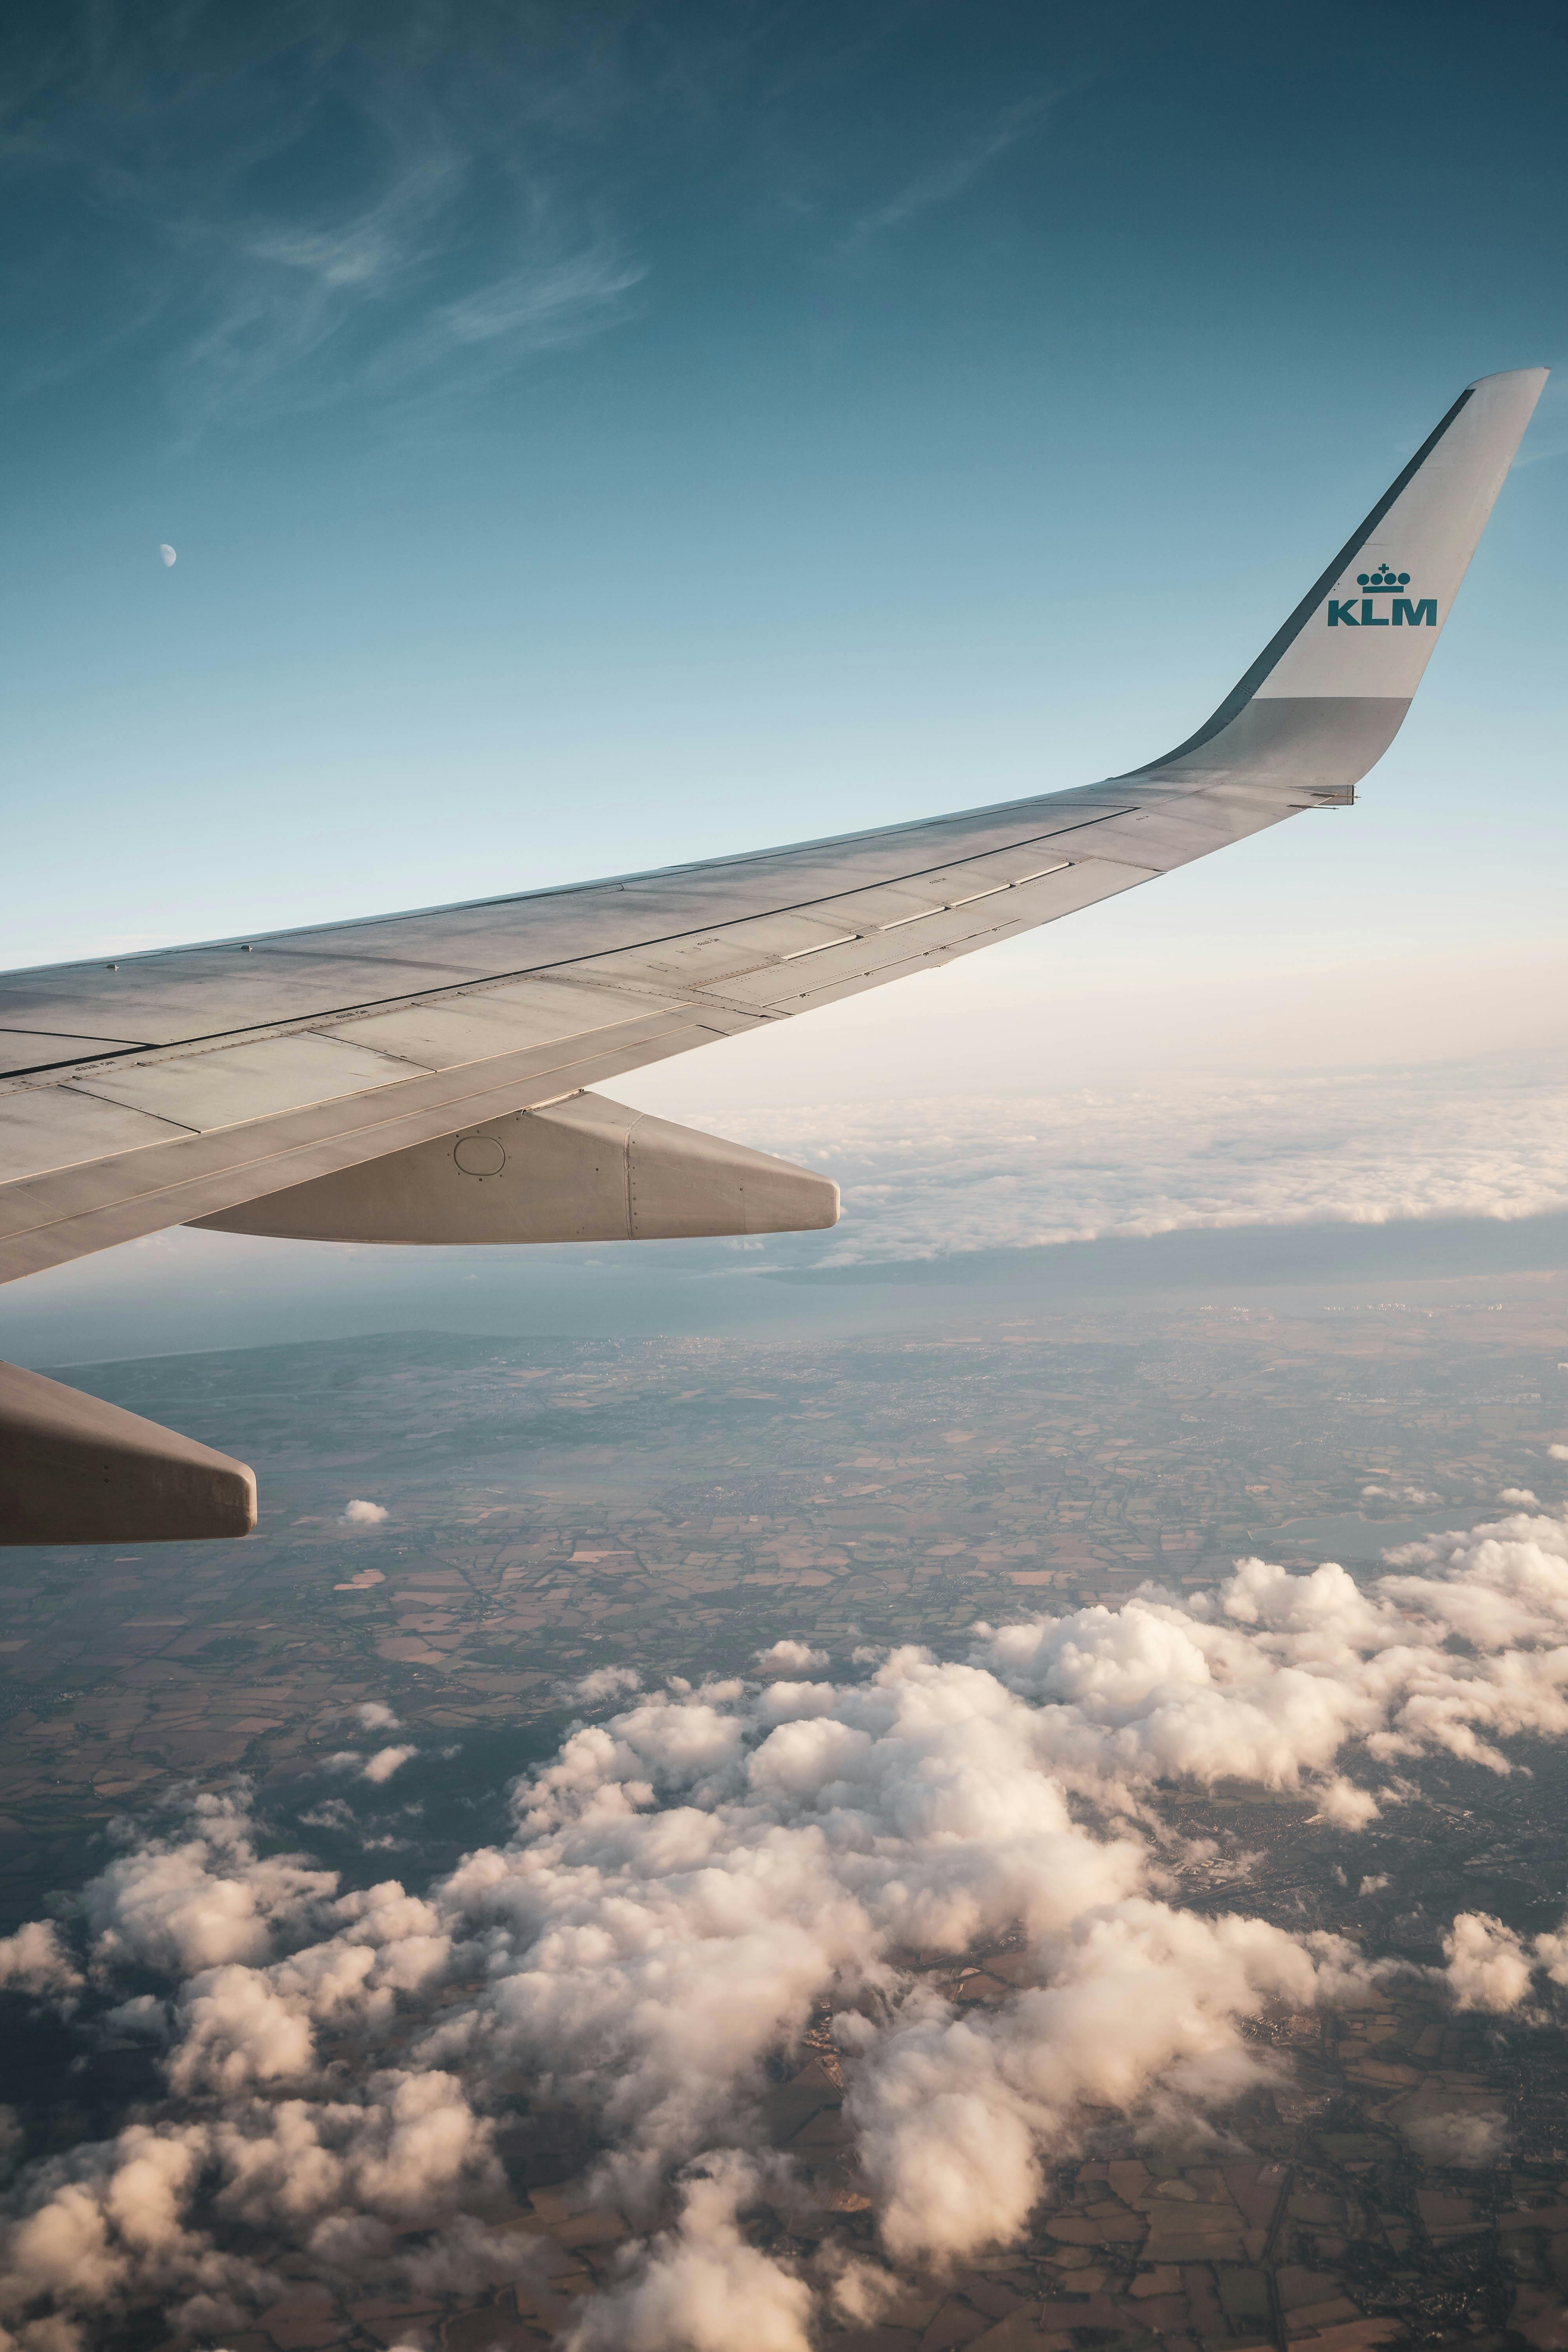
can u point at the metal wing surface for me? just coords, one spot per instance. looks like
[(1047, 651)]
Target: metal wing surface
[(162, 1089)]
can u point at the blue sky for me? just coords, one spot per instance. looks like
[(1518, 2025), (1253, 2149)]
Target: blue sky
[(595, 435)]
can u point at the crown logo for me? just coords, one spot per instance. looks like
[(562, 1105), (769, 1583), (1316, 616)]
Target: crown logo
[(1382, 581)]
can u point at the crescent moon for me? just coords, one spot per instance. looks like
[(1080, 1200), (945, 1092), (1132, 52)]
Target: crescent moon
[(168, 555)]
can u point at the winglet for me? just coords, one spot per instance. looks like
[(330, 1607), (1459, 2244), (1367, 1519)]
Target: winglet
[(1325, 698)]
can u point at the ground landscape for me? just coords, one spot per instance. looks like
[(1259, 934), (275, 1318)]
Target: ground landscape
[(1354, 2143)]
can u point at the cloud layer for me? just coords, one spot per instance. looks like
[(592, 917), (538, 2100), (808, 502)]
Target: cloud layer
[(697, 1881), (922, 1177)]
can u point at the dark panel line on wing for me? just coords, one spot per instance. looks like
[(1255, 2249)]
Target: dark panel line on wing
[(291, 1025), (761, 858)]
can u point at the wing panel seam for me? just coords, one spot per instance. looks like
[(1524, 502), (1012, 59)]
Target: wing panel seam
[(565, 972), (48, 1224)]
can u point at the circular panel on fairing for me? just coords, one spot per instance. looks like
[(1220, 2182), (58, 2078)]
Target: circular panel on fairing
[(480, 1155)]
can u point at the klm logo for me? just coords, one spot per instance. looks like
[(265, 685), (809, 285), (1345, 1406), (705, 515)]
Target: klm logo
[(1362, 612)]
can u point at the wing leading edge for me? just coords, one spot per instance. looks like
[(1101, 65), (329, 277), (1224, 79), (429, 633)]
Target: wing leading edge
[(224, 1083)]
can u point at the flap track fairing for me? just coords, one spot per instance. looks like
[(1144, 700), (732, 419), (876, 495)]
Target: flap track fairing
[(587, 1170)]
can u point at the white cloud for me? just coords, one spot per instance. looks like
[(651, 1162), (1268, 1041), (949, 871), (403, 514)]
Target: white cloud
[(1349, 1807), (1272, 1677), (1519, 1498), (702, 2286), (606, 1682), (379, 1766), (956, 2115), (236, 2029), (35, 1960), (688, 1882), (1486, 1964), (360, 1514), (182, 1905), (1466, 2137), (781, 1656), (375, 1715), (1557, 1453)]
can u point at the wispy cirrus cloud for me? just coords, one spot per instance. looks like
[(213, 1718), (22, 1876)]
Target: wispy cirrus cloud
[(340, 203), (940, 183)]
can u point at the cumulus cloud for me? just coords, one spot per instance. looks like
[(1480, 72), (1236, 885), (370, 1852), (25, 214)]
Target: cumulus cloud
[(181, 1903), (377, 1767), (360, 1514), (1349, 1807), (1557, 1453), (1486, 1964), (958, 2115), (237, 2028), (1466, 2138), (606, 1682), (1492, 1967), (701, 2285), (375, 1715), (692, 1882), (1271, 1677), (782, 1657), (35, 1960)]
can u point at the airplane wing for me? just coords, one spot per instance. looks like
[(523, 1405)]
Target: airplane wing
[(430, 1076)]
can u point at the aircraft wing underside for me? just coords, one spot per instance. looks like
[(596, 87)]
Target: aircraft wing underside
[(174, 1086)]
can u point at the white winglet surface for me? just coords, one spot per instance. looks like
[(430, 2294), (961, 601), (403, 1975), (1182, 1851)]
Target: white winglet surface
[(1327, 695), (1376, 623)]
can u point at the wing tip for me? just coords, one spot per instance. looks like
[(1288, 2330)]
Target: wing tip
[(1520, 376)]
